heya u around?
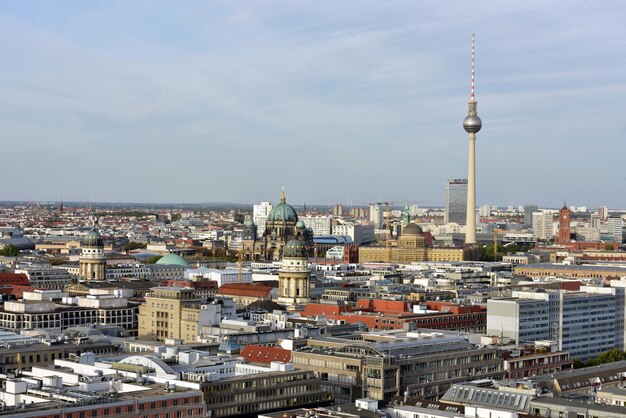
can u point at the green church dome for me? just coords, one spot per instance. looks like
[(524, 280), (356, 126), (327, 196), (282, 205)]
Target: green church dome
[(173, 259), (283, 212), (93, 239), (300, 224), (295, 249)]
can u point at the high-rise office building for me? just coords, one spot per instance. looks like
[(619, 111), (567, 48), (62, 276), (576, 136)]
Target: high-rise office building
[(456, 201), (528, 214), (584, 323), (358, 212), (615, 227), (375, 215), (338, 210), (594, 221), (603, 212), (472, 125), (484, 211), (259, 216), (543, 225)]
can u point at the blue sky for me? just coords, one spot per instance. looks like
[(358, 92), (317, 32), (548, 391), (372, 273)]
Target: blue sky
[(350, 101)]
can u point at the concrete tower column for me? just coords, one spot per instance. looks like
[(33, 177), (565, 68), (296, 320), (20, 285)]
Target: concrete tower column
[(470, 220), (472, 125)]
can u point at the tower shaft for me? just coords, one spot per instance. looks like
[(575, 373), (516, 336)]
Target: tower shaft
[(472, 125), (470, 220)]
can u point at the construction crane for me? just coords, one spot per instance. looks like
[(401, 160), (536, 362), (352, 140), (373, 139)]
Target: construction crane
[(240, 266)]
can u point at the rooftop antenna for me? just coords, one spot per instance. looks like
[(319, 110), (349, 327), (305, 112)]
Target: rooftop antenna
[(472, 94)]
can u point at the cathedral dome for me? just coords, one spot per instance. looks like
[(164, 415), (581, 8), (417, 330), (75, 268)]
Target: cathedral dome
[(93, 239), (283, 212), (248, 222), (173, 259), (412, 229), (295, 249), (300, 224)]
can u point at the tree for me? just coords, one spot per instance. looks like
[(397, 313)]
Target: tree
[(10, 250), (153, 259), (608, 247), (134, 246), (610, 356), (239, 218)]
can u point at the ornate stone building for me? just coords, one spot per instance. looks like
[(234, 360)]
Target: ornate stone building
[(411, 247), (294, 276), (92, 263), (282, 225)]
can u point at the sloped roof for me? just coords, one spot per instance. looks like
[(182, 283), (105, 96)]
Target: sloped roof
[(264, 354)]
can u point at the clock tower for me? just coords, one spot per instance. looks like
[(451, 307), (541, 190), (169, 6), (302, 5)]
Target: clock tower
[(564, 222)]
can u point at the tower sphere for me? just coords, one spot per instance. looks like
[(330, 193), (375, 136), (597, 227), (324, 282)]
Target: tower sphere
[(472, 124)]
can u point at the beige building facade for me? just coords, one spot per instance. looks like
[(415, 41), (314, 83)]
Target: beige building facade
[(171, 312)]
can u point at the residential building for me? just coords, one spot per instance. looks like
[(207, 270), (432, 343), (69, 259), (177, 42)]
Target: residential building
[(338, 210), (543, 357), (375, 215), (321, 225), (360, 233)]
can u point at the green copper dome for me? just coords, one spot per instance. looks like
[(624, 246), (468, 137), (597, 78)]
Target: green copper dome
[(248, 222), (173, 259), (300, 224), (93, 239), (283, 212), (295, 249)]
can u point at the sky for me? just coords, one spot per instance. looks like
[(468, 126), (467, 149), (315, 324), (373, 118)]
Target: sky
[(336, 101)]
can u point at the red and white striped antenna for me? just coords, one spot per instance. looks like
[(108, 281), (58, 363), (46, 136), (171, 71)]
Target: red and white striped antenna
[(472, 95)]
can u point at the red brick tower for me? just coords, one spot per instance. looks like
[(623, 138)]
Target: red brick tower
[(564, 230)]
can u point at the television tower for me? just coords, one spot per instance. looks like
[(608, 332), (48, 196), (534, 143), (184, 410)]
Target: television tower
[(471, 124)]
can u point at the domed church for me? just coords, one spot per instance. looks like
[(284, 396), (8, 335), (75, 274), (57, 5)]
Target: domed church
[(282, 225), (92, 262), (294, 276)]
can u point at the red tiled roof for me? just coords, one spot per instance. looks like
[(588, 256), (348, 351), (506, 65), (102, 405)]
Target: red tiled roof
[(14, 278), (240, 289), (264, 354), (317, 309), (16, 290)]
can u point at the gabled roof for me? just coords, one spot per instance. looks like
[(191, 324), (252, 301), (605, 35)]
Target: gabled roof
[(264, 354)]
